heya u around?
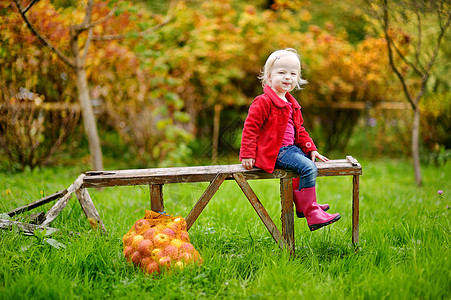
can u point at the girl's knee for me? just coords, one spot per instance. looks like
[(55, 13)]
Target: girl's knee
[(312, 169)]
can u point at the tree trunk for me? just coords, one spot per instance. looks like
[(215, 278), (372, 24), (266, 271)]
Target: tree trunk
[(89, 121), (415, 145), (216, 126)]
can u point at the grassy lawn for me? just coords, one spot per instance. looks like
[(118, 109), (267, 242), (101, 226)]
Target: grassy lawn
[(405, 242)]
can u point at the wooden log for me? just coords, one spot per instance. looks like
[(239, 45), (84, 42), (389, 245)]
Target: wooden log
[(287, 215), (25, 227), (37, 203), (156, 198), (89, 209), (62, 202), (204, 199), (261, 211)]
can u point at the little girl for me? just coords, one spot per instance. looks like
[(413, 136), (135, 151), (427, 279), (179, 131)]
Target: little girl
[(273, 135)]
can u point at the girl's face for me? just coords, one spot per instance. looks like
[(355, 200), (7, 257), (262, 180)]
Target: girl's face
[(284, 75)]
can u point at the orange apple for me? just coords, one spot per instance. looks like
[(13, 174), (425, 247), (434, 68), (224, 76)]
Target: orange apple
[(181, 223), (177, 242), (136, 240), (159, 227), (156, 254), (180, 264), (128, 237), (150, 233), (161, 240), (142, 225), (153, 267), (145, 247)]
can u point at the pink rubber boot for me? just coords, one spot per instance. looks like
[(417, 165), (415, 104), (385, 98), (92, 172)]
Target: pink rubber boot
[(316, 217), (299, 213)]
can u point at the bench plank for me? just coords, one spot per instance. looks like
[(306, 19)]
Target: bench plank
[(205, 174)]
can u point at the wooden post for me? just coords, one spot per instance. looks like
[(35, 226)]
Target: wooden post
[(287, 217), (204, 199), (355, 209), (156, 197)]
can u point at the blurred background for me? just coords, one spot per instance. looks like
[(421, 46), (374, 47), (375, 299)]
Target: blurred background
[(178, 94)]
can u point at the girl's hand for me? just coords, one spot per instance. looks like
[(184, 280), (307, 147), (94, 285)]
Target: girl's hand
[(314, 154), (248, 163)]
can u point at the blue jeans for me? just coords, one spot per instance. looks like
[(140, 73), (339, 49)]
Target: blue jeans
[(293, 158)]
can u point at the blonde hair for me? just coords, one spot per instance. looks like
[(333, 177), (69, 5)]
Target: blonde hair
[(264, 74)]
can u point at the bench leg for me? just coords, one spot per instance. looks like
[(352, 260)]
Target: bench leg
[(355, 209), (89, 209), (204, 199), (62, 202), (287, 217), (156, 197), (261, 211)]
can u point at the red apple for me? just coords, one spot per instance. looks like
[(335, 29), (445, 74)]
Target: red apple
[(136, 240), (136, 258), (142, 225), (145, 247), (184, 236), (156, 254), (186, 257), (128, 252), (169, 232), (161, 240), (173, 226), (145, 261), (150, 233), (187, 247), (153, 267), (165, 261), (171, 251)]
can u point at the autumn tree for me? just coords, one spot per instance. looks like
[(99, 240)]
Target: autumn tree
[(75, 52), (421, 26)]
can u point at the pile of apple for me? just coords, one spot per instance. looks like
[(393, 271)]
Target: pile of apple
[(155, 245)]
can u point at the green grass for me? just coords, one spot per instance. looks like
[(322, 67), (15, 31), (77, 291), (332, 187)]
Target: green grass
[(404, 253)]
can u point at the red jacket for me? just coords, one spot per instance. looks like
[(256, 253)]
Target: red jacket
[(264, 129)]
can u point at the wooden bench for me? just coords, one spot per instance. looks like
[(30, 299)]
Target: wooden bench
[(216, 174)]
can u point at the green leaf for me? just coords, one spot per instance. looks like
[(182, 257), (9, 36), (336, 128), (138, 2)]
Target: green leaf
[(55, 243), (50, 231)]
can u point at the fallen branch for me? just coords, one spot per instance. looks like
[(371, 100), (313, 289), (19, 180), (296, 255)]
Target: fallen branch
[(37, 203)]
